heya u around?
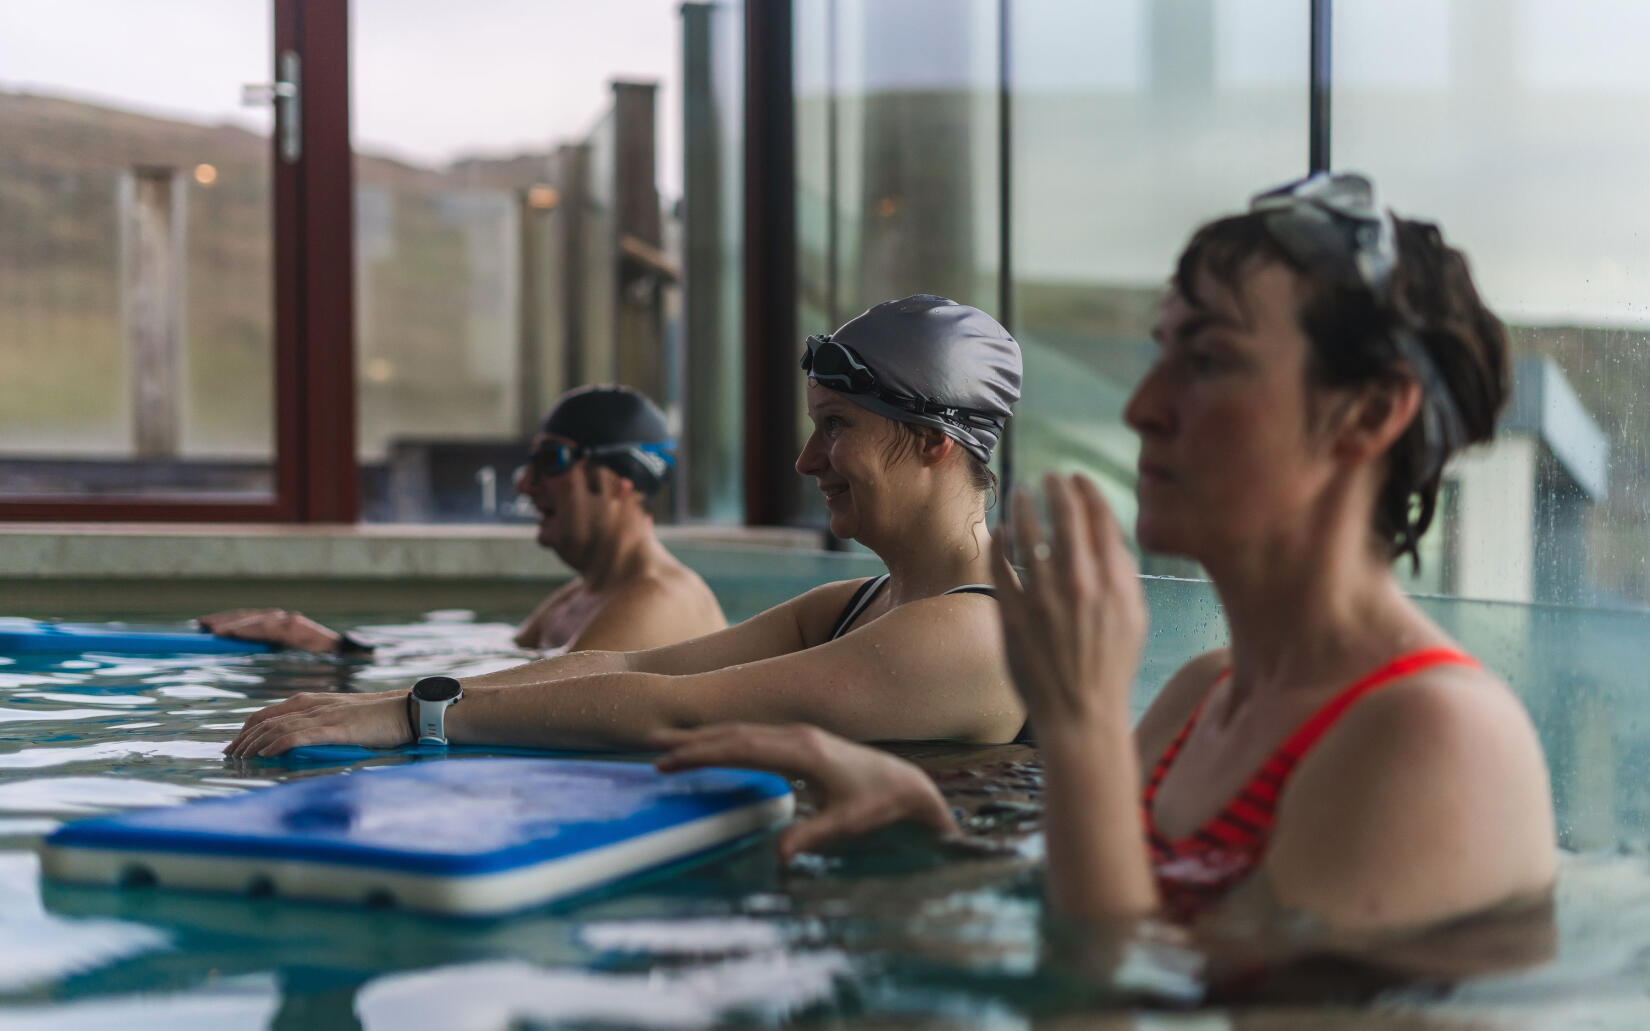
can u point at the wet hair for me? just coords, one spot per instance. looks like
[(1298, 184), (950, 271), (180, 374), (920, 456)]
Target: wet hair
[(907, 440), (1352, 344)]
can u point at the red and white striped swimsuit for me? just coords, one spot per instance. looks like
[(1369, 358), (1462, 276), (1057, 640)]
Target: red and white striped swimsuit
[(1199, 868)]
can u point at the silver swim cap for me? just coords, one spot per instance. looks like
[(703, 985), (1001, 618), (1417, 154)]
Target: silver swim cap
[(925, 360)]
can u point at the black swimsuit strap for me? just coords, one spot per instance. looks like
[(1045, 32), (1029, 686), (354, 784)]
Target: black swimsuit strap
[(856, 605), (868, 590)]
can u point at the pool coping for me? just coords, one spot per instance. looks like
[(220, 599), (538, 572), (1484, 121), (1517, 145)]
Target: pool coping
[(361, 552)]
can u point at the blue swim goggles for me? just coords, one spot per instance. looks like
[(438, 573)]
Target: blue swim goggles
[(1329, 223), (552, 459), (834, 364)]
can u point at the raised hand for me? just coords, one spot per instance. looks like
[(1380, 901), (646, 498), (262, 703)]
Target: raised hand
[(276, 626), (862, 789), (1074, 627)]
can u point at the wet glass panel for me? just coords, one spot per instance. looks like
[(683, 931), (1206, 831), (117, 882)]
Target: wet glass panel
[(1520, 128), (1133, 123), (917, 145), (898, 148), (713, 224)]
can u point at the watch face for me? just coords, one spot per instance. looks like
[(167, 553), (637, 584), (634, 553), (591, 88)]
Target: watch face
[(436, 689)]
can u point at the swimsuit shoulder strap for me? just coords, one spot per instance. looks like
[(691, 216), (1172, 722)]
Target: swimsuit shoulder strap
[(1281, 763), (1295, 747), (985, 589), (856, 605)]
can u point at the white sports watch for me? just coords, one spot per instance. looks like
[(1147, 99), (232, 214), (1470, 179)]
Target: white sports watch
[(427, 708)]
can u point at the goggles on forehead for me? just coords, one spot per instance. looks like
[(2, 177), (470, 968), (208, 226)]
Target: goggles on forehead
[(834, 364), (1329, 223), (553, 459)]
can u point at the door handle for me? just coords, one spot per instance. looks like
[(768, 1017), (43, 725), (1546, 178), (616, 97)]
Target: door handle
[(287, 96)]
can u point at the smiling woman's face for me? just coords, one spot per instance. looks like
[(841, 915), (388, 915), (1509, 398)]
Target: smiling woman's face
[(1227, 455), (848, 456)]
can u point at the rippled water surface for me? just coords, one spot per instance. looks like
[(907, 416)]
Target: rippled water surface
[(897, 930)]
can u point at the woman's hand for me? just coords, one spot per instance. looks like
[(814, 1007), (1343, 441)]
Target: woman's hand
[(862, 789), (276, 626), (376, 720), (1073, 630)]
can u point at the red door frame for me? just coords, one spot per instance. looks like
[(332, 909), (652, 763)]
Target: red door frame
[(314, 310)]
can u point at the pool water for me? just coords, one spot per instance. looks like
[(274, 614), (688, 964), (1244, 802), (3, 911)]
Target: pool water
[(897, 929)]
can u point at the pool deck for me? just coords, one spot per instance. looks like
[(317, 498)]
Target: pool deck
[(144, 567)]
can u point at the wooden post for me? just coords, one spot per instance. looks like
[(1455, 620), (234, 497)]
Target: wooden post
[(530, 212), (572, 181), (152, 278), (639, 322)]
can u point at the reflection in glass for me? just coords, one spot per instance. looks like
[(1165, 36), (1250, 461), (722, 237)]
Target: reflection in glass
[(898, 149), (1132, 124)]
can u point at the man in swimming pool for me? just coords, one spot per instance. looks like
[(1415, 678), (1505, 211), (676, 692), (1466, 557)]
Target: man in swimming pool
[(600, 455)]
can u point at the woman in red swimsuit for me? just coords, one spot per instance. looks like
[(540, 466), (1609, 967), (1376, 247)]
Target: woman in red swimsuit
[(1319, 361)]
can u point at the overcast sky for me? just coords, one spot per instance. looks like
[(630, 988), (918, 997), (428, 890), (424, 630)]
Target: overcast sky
[(436, 79), (432, 79)]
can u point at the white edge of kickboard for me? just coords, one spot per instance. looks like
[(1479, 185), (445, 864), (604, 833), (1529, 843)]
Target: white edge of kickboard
[(488, 894)]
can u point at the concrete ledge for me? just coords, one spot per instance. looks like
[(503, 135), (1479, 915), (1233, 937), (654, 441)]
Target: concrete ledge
[(165, 551)]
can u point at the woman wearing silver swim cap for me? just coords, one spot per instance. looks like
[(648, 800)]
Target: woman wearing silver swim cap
[(1343, 768), (907, 401)]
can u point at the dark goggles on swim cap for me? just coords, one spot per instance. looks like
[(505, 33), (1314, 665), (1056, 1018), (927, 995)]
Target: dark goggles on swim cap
[(835, 365), (1330, 225), (553, 458)]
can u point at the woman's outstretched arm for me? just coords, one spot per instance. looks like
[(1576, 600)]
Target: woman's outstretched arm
[(930, 669), (379, 719)]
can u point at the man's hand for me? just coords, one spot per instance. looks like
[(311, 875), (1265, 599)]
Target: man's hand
[(862, 789), (276, 626), (377, 720)]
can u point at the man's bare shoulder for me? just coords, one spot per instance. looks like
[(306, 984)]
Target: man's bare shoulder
[(662, 605)]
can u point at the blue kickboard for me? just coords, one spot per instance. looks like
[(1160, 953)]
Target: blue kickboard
[(32, 636), (473, 837)]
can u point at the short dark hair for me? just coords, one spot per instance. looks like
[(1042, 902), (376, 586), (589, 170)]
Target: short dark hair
[(1352, 335)]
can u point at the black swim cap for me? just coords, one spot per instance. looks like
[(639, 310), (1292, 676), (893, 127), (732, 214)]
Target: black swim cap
[(615, 415), (933, 349)]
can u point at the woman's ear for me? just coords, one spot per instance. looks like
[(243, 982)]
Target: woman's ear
[(1376, 417), (933, 446)]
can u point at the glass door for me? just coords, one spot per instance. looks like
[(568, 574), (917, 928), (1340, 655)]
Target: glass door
[(152, 279)]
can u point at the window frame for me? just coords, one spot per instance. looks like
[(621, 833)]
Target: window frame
[(316, 476)]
